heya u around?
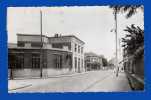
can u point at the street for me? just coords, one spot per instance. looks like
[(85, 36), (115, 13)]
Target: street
[(93, 81)]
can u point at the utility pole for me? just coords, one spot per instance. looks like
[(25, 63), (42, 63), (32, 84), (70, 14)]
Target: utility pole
[(41, 51), (115, 16)]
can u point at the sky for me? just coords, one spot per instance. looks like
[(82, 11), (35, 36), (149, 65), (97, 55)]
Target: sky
[(91, 24)]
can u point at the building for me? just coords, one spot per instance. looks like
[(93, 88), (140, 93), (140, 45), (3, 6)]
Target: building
[(34, 56), (112, 61), (93, 61)]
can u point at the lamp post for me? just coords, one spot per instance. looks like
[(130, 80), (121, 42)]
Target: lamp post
[(115, 17), (41, 45)]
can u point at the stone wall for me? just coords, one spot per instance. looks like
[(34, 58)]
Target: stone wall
[(135, 73)]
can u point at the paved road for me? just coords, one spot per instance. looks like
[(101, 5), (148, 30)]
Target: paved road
[(76, 83)]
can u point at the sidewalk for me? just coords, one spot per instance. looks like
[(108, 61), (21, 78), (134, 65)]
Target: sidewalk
[(16, 84), (81, 82), (111, 84), (23, 83)]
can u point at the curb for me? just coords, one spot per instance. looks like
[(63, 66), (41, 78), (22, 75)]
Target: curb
[(20, 87), (68, 75), (54, 76), (137, 86)]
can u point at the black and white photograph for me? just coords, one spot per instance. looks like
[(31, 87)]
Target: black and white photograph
[(75, 49)]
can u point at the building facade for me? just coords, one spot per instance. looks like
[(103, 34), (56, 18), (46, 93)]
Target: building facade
[(93, 61), (34, 56), (75, 45)]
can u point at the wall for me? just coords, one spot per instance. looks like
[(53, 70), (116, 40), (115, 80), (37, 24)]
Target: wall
[(139, 67), (78, 55), (51, 55), (25, 73), (49, 72), (48, 64), (31, 38), (135, 73)]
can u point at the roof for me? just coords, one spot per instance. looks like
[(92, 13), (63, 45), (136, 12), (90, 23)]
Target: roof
[(52, 37), (90, 54), (62, 36), (14, 46), (31, 35)]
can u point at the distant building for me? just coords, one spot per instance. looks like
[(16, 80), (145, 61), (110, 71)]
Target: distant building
[(112, 62), (93, 61), (57, 55)]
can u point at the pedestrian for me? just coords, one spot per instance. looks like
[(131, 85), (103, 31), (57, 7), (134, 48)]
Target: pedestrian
[(117, 71)]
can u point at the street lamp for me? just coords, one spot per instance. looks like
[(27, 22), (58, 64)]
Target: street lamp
[(115, 17), (41, 45)]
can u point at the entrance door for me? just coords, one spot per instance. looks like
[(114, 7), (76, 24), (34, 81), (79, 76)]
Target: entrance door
[(35, 61)]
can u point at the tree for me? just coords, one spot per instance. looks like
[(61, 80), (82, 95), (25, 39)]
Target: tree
[(134, 40), (128, 9), (104, 61), (136, 33)]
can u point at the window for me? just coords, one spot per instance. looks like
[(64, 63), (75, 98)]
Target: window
[(79, 65), (58, 61), (75, 48), (75, 62), (57, 45), (16, 61), (20, 61), (81, 49), (78, 49), (38, 44), (20, 44), (88, 59), (35, 60), (60, 45)]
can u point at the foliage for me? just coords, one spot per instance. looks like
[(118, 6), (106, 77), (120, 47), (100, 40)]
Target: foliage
[(104, 61), (128, 9), (134, 40)]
